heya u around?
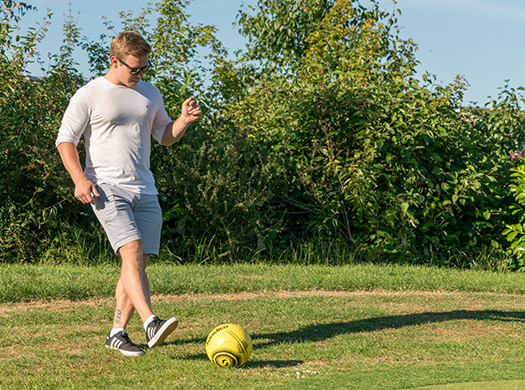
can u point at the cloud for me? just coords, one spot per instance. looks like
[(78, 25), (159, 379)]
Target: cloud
[(506, 10)]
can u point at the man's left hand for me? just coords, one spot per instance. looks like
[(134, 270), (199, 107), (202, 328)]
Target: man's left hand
[(191, 110)]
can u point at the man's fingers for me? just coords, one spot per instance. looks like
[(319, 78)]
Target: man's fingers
[(195, 108), (86, 192), (192, 109), (192, 103), (189, 102), (85, 199), (95, 192)]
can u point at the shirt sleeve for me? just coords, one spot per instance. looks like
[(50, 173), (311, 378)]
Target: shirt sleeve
[(75, 120), (160, 122)]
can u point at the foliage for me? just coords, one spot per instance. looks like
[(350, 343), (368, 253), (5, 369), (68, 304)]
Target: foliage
[(31, 191), (317, 139), (212, 189), (360, 149), (277, 33), (515, 232)]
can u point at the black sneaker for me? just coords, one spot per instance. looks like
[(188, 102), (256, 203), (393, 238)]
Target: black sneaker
[(158, 330), (121, 342)]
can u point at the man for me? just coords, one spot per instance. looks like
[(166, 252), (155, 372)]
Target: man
[(118, 114)]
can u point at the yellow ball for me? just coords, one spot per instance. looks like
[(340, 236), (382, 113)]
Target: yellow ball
[(229, 345)]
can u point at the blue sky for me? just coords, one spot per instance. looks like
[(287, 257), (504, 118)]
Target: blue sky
[(479, 39)]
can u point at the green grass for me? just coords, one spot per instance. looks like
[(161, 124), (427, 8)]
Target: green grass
[(486, 385), (358, 327), (28, 282)]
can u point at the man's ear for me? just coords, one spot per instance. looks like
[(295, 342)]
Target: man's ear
[(113, 60)]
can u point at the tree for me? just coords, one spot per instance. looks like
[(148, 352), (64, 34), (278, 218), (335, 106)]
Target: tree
[(360, 149)]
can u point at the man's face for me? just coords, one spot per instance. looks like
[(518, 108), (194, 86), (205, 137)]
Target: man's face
[(124, 72)]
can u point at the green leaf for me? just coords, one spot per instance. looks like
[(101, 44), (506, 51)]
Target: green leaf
[(512, 236)]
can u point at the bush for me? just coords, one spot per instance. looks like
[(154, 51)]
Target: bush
[(515, 231), (212, 190), (38, 214), (361, 150)]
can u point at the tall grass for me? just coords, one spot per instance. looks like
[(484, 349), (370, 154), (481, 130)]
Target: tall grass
[(66, 281)]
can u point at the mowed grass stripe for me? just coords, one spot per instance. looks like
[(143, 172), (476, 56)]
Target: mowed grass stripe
[(28, 282)]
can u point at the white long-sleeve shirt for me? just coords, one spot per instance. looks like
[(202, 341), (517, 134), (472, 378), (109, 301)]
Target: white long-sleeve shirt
[(117, 123)]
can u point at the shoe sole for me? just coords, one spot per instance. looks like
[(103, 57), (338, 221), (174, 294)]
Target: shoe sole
[(127, 353), (166, 329)]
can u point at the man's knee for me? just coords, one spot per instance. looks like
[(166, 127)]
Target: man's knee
[(132, 249)]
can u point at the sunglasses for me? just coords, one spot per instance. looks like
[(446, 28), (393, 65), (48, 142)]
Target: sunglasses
[(135, 71)]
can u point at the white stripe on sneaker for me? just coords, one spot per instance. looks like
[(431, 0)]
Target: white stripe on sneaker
[(116, 343), (124, 345), (159, 335), (151, 332)]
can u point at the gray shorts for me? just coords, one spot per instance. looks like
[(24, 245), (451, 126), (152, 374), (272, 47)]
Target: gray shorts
[(127, 216)]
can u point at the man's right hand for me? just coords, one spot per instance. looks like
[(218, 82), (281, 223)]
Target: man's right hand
[(85, 191)]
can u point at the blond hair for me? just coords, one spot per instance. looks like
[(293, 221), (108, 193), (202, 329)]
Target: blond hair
[(129, 43)]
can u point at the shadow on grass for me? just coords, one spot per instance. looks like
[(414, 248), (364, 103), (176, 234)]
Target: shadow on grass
[(253, 363), (320, 332)]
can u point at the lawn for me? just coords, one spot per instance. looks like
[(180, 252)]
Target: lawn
[(339, 328)]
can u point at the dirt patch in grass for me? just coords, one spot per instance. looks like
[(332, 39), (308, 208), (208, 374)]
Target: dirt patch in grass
[(7, 308), (299, 294), (325, 293), (55, 305)]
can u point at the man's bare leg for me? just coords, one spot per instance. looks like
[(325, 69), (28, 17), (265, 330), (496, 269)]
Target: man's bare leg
[(132, 292), (124, 307), (134, 278)]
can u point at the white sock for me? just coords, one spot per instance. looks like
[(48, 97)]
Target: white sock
[(147, 322), (114, 331)]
